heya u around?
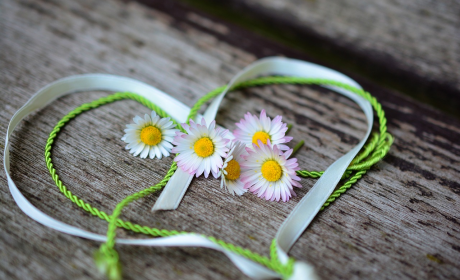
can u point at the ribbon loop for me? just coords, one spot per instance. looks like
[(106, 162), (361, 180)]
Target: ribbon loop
[(175, 189)]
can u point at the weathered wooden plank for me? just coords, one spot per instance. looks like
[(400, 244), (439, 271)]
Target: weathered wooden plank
[(411, 46), (400, 221), (423, 36)]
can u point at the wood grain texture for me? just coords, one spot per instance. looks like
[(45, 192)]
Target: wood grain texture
[(411, 46), (421, 35), (401, 221)]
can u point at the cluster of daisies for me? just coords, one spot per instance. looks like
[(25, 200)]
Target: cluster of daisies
[(254, 157)]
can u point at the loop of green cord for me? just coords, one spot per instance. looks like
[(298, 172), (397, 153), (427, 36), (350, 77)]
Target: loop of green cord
[(106, 257)]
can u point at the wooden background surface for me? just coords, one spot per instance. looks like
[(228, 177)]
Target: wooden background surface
[(401, 221), (412, 46)]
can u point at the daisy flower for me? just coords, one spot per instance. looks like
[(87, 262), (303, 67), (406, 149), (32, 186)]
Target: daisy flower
[(150, 136), (251, 129), (201, 149), (231, 170), (269, 173)]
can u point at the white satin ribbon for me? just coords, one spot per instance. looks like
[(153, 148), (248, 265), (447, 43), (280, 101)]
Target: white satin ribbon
[(291, 229), (309, 206), (173, 107), (175, 189)]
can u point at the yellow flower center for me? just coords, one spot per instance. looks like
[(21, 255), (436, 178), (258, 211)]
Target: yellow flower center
[(150, 135), (271, 170), (204, 147), (233, 170), (260, 135)]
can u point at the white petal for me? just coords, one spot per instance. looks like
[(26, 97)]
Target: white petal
[(152, 153), (162, 122), (138, 149), (145, 151), (138, 120), (147, 119), (168, 138), (200, 169), (169, 132), (155, 120), (164, 151), (166, 145), (157, 152)]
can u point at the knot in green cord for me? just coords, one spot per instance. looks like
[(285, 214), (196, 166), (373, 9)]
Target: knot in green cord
[(107, 262), (285, 269)]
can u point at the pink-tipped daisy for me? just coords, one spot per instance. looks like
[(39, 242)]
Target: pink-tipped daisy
[(150, 136), (231, 170), (201, 149), (251, 129), (269, 173)]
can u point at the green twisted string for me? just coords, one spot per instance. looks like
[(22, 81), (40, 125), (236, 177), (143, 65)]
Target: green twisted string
[(107, 258)]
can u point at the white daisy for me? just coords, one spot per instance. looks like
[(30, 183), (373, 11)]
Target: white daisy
[(150, 136), (231, 170), (201, 150), (269, 173), (251, 129)]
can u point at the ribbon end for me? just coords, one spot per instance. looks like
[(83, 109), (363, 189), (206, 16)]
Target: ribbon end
[(173, 192), (163, 207), (303, 271)]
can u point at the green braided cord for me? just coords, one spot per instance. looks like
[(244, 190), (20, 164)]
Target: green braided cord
[(287, 268), (383, 140), (367, 149), (107, 257), (364, 153), (317, 174), (359, 163)]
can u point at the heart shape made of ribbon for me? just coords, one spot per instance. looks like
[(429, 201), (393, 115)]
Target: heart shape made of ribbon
[(253, 265)]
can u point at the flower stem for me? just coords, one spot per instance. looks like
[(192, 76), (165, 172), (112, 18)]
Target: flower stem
[(289, 128), (297, 147)]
